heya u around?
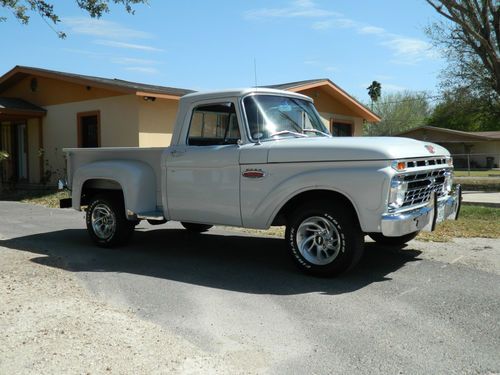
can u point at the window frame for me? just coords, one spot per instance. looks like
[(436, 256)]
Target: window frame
[(79, 117), (334, 122), (213, 103)]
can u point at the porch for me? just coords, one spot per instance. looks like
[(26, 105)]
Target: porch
[(21, 136)]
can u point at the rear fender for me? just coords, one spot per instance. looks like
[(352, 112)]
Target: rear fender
[(136, 180)]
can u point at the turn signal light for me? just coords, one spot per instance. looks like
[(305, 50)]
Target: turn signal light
[(399, 165)]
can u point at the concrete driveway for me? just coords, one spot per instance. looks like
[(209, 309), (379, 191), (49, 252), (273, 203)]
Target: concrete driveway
[(412, 310)]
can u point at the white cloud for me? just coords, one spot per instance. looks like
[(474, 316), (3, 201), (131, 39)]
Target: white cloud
[(297, 9), (133, 61), (371, 30), (337, 23), (103, 29), (143, 69), (408, 50), (116, 44)]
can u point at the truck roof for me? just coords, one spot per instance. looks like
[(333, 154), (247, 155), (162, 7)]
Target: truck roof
[(197, 96)]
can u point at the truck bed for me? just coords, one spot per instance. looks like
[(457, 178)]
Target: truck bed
[(150, 156)]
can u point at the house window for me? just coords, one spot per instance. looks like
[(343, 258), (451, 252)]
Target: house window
[(89, 129), (341, 129)]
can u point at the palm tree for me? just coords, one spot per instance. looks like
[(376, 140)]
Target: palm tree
[(374, 91)]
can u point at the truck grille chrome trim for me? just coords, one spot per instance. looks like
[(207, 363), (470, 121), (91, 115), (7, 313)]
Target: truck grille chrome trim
[(422, 184)]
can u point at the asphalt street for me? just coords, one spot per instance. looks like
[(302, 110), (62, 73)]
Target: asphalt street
[(240, 295)]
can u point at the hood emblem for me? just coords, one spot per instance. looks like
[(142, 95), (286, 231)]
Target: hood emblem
[(430, 148)]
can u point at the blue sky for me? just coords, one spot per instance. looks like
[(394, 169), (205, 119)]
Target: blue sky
[(205, 45)]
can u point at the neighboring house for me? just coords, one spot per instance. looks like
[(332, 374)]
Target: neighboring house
[(477, 149), (43, 111)]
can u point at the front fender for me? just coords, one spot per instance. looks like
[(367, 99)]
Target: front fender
[(136, 179), (364, 186)]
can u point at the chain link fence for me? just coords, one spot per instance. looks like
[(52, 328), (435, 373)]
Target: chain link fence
[(476, 162)]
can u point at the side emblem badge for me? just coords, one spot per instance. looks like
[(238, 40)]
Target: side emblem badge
[(253, 173)]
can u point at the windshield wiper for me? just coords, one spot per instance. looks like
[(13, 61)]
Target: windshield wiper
[(317, 132), (301, 135)]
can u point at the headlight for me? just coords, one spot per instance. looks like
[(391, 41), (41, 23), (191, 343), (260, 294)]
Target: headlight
[(449, 161), (448, 182), (397, 192)]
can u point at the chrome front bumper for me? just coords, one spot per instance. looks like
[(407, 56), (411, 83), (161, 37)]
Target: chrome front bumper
[(424, 218)]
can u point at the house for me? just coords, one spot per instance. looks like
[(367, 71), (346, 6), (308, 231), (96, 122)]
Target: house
[(43, 111), (469, 149)]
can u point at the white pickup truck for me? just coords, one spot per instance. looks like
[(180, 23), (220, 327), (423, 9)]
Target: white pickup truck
[(257, 158)]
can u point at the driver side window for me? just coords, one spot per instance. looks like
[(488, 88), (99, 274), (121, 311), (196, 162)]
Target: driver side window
[(214, 124)]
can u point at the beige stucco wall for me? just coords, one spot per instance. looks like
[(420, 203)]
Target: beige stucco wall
[(331, 109), (356, 122), (156, 121), (119, 118)]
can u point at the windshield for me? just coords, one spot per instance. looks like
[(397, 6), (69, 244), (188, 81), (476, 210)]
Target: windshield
[(271, 116)]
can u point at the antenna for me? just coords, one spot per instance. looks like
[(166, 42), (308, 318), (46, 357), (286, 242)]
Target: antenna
[(255, 70)]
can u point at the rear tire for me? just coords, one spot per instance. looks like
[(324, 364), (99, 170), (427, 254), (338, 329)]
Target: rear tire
[(393, 241), (106, 221), (324, 239), (196, 228)]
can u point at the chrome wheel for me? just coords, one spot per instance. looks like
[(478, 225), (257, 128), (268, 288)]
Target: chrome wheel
[(318, 240), (103, 221)]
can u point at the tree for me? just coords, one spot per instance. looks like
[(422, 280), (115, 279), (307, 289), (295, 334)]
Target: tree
[(470, 40), (45, 9), (374, 91), (400, 111), (460, 111)]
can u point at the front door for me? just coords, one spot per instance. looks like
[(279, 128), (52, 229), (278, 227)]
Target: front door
[(14, 141), (203, 175), (21, 155)]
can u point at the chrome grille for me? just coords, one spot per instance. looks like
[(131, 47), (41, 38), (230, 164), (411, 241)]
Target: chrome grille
[(422, 184)]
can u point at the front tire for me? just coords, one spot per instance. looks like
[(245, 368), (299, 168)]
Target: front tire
[(324, 240), (393, 241), (106, 221)]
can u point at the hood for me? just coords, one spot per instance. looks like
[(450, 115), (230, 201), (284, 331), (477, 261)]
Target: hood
[(349, 148)]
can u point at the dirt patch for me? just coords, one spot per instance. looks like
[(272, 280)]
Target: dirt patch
[(50, 324)]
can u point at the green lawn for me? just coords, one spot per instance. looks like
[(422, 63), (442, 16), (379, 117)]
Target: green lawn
[(488, 173), (474, 221), (47, 198)]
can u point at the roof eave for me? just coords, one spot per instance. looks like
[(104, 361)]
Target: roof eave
[(21, 113), (451, 131), (367, 114)]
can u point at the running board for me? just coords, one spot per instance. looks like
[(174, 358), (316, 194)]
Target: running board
[(150, 215)]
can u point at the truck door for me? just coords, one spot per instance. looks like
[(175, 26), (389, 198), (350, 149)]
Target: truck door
[(203, 173)]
